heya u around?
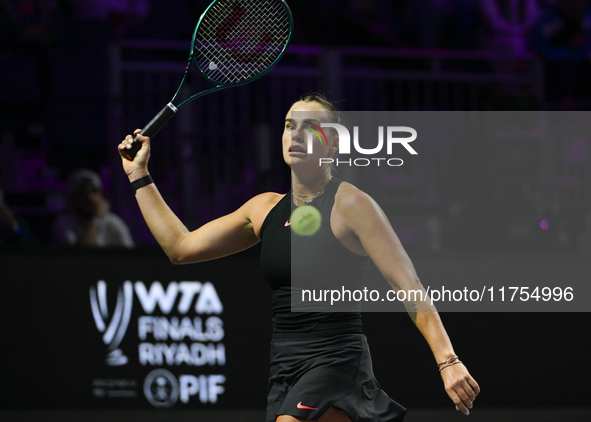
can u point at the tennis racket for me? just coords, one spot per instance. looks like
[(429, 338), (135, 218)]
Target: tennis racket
[(235, 42)]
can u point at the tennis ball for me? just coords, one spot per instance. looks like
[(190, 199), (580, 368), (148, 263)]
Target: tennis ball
[(305, 220)]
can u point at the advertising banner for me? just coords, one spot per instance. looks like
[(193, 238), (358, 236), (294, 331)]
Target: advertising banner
[(129, 329)]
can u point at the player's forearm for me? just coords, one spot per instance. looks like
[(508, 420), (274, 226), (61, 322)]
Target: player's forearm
[(165, 226), (424, 315), (432, 329)]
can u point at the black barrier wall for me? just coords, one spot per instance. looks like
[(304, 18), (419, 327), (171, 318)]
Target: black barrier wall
[(127, 329)]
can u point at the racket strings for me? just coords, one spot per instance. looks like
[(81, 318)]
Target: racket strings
[(239, 22), (237, 40)]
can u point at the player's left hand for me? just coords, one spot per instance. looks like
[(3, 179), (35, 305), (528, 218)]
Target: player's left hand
[(460, 387)]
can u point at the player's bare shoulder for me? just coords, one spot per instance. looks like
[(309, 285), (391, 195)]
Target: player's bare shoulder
[(353, 206), (350, 205), (349, 196), (260, 206)]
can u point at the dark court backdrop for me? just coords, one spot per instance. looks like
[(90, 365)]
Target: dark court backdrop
[(74, 80)]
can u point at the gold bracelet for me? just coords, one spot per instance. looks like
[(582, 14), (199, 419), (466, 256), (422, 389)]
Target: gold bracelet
[(449, 364), (445, 362)]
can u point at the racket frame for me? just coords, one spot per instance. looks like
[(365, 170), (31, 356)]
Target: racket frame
[(169, 110), (231, 84)]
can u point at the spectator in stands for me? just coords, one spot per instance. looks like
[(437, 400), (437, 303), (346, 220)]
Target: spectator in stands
[(14, 229), (563, 38), (509, 24), (88, 221), (507, 27)]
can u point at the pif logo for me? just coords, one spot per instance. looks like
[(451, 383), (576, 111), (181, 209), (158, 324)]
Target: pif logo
[(163, 390)]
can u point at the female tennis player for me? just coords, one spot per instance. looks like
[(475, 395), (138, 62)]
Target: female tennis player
[(320, 363)]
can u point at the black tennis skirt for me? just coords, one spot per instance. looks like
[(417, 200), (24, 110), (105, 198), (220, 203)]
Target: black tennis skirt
[(310, 375)]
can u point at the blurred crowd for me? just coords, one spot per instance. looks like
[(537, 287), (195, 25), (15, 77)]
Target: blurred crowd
[(85, 221), (559, 31), (54, 81)]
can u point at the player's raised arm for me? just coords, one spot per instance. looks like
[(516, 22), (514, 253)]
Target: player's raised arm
[(224, 236)]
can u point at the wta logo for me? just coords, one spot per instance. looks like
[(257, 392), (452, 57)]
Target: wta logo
[(112, 327)]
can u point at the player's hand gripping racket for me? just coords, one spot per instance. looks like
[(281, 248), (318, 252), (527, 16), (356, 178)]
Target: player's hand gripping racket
[(234, 43)]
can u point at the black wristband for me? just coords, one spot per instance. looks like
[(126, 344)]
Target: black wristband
[(141, 182)]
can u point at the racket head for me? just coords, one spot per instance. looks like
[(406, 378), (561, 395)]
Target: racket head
[(238, 41)]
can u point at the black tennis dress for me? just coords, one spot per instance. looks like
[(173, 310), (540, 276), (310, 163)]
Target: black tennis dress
[(318, 359)]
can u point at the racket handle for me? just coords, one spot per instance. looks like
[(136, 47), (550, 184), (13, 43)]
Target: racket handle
[(153, 127)]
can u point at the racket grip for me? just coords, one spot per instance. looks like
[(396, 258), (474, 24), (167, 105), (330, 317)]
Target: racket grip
[(153, 127)]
